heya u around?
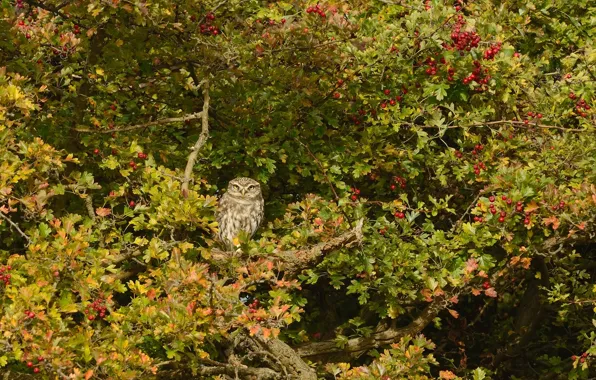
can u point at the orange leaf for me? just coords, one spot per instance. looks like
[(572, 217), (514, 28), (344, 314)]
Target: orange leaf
[(266, 333), (491, 292), (471, 265), (88, 374), (102, 211), (453, 313), (552, 220), (447, 375), (475, 291)]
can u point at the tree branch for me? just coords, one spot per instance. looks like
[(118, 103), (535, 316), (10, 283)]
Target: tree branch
[(192, 157), (16, 227), (514, 122), (168, 120), (295, 261), (355, 346)]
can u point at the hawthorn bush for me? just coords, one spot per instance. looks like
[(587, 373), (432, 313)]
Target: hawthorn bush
[(429, 170)]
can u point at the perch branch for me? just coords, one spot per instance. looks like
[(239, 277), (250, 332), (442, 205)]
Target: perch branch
[(16, 227), (168, 120), (192, 157), (295, 260)]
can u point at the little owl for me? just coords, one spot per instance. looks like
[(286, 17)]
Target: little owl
[(240, 209)]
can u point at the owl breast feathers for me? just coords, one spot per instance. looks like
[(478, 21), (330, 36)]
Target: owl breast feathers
[(240, 209)]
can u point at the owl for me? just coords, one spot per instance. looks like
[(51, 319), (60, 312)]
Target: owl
[(240, 209)]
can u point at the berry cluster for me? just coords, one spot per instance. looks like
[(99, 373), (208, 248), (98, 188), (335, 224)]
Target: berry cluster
[(581, 106), (398, 181), (581, 358), (458, 4), (96, 309), (30, 364), (399, 215), (318, 10), (4, 275), (432, 66), (76, 29), (207, 27), (492, 50), (20, 4), (478, 167), (142, 155), (519, 207), (252, 309), (476, 75), (355, 194), (462, 40), (29, 314)]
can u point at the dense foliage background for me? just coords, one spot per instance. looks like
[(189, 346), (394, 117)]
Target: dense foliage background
[(429, 170)]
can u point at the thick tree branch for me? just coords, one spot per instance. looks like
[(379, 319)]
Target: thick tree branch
[(192, 157), (241, 370), (355, 346), (145, 125), (295, 261), (496, 122), (16, 227)]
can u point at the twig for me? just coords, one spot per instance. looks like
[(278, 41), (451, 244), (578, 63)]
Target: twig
[(168, 120), (320, 165), (16, 227), (192, 157)]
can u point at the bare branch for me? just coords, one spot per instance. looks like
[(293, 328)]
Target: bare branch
[(168, 120), (16, 227), (192, 157)]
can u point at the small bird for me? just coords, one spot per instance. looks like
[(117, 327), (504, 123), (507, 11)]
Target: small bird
[(241, 208)]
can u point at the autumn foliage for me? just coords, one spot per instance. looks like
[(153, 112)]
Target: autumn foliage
[(429, 174)]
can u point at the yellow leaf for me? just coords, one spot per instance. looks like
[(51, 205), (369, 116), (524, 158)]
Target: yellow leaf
[(531, 207), (119, 42), (99, 71)]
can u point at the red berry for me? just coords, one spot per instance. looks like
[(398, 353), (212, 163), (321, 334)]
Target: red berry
[(141, 155), (491, 198), (35, 370), (387, 91), (354, 197), (392, 102), (56, 274), (40, 358), (392, 187), (383, 105), (337, 95), (95, 151), (132, 203), (132, 164), (574, 358), (526, 221), (493, 211), (539, 116), (340, 82), (509, 201), (501, 219), (91, 317), (486, 285), (504, 197)]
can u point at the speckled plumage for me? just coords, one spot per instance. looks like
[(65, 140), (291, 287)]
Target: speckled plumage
[(240, 209)]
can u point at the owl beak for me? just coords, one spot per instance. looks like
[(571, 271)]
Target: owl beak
[(243, 192)]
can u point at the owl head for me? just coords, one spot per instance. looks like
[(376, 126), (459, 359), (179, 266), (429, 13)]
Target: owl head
[(245, 188)]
